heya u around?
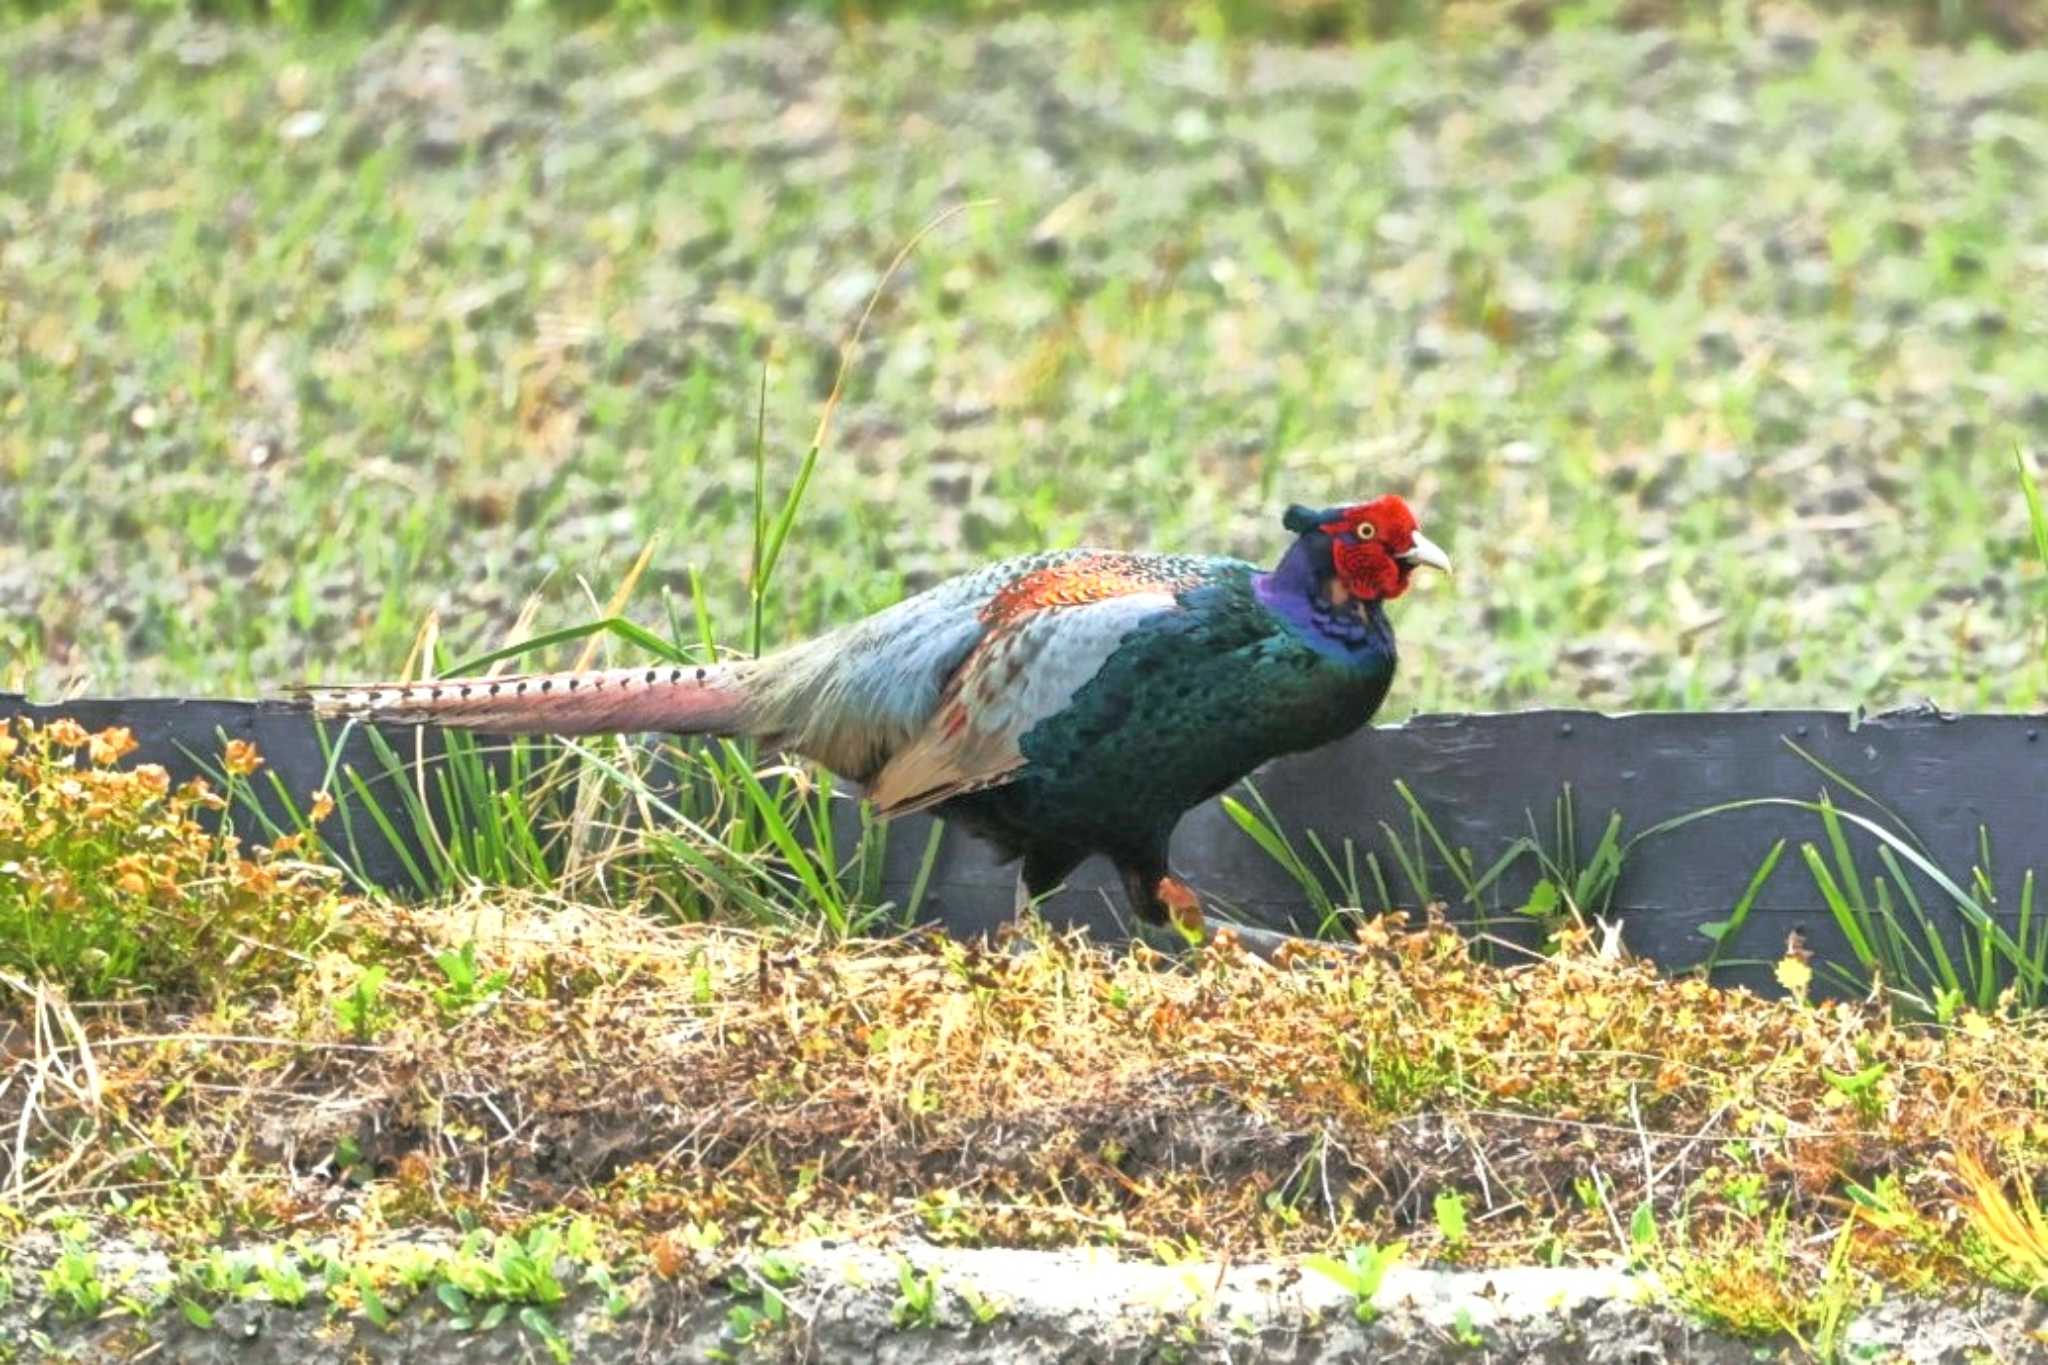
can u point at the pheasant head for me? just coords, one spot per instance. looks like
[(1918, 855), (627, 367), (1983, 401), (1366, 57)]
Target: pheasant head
[(1367, 551)]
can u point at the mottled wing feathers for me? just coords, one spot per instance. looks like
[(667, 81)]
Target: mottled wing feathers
[(1085, 580), (1043, 635)]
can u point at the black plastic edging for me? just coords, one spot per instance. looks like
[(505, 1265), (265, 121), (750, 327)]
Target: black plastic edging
[(1947, 785)]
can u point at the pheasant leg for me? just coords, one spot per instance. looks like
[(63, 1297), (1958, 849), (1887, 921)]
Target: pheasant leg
[(1159, 897)]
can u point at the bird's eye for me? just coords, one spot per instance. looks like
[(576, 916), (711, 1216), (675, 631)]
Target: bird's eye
[(1364, 530)]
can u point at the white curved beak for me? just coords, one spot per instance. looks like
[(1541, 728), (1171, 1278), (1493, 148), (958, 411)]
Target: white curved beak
[(1425, 551)]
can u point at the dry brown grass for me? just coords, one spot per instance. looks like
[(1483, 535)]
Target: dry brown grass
[(1047, 1093)]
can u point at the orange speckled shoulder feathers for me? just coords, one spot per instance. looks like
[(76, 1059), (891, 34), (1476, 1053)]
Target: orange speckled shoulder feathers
[(1077, 582)]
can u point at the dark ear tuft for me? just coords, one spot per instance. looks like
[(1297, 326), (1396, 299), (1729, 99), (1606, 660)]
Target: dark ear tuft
[(1301, 520)]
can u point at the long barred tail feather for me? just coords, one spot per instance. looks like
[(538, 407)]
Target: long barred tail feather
[(671, 698)]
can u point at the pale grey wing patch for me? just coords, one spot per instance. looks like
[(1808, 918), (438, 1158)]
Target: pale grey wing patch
[(1022, 674), (853, 698)]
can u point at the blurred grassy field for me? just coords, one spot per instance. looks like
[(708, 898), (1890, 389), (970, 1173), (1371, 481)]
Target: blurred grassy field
[(2012, 23), (1705, 349)]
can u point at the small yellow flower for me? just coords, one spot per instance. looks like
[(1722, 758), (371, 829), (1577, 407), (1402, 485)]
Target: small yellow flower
[(112, 744), (254, 877), (68, 733), (322, 807), (8, 745), (133, 883), (152, 778), (241, 758), (1795, 976)]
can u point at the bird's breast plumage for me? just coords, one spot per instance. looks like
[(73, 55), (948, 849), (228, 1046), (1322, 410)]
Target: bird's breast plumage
[(1188, 702)]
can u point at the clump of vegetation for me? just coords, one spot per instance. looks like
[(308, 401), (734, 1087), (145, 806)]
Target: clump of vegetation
[(111, 880), (1360, 1274)]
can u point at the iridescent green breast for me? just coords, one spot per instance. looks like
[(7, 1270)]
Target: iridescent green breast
[(1188, 704)]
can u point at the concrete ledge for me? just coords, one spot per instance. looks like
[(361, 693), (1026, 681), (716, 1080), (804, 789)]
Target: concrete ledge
[(1035, 1306)]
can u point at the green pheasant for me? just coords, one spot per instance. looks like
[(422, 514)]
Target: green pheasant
[(1060, 705)]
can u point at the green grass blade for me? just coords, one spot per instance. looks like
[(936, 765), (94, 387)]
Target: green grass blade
[(1839, 906), (2037, 517), (396, 772), (1845, 861), (923, 880), (1594, 886), (2036, 954), (1935, 965), (1730, 928), (785, 520), (758, 567), (1411, 866), (2035, 975), (817, 883), (427, 886), (1835, 776), (1460, 870), (1264, 831), (2026, 919), (700, 604), (630, 631), (1379, 878)]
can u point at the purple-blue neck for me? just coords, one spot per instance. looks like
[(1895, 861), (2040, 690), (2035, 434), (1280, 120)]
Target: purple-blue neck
[(1297, 591)]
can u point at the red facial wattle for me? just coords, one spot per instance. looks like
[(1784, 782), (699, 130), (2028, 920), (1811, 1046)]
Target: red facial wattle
[(1371, 548), (1367, 570)]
